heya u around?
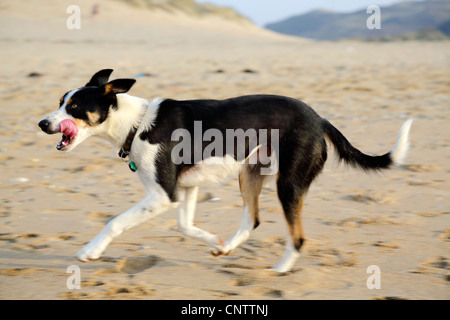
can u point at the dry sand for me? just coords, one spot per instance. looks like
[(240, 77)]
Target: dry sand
[(53, 203)]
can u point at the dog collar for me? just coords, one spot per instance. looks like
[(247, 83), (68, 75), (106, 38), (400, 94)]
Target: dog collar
[(126, 148)]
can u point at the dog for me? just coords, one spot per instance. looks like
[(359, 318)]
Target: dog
[(143, 132)]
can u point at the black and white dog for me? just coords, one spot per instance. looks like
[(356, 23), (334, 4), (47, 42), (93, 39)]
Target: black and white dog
[(144, 133)]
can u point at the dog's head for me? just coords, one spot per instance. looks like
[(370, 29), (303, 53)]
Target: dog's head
[(82, 111)]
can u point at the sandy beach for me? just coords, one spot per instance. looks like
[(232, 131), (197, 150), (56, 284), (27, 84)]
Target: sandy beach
[(52, 203)]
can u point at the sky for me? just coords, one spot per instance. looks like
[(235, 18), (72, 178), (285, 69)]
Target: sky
[(262, 12)]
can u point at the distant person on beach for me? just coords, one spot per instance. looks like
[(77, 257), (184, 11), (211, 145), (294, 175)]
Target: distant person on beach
[(94, 11)]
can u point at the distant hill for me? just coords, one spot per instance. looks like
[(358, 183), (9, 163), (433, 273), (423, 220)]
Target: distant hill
[(190, 8), (445, 27), (413, 19)]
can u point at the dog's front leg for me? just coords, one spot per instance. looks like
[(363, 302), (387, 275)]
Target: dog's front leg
[(149, 207), (186, 212)]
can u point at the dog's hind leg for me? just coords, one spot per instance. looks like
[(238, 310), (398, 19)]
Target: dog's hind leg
[(291, 192), (149, 207), (294, 178), (250, 183), (186, 211), (296, 239)]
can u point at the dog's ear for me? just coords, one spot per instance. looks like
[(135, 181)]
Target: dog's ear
[(100, 78), (119, 86)]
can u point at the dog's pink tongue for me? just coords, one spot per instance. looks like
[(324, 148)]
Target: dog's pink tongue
[(68, 128)]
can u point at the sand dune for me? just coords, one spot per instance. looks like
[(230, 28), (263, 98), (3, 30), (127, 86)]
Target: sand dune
[(53, 203)]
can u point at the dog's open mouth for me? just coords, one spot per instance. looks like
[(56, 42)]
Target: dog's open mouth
[(69, 130), (64, 143)]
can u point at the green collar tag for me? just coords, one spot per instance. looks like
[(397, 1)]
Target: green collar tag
[(132, 166)]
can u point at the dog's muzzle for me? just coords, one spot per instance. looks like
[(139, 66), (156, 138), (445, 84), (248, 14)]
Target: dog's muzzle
[(67, 127)]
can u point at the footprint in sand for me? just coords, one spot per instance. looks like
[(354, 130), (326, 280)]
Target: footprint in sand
[(437, 265), (431, 214), (422, 168), (389, 245), (370, 199), (334, 257), (132, 265), (32, 241), (445, 234), (96, 215)]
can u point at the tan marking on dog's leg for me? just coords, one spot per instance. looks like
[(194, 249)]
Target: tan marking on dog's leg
[(250, 183), (296, 226), (295, 241)]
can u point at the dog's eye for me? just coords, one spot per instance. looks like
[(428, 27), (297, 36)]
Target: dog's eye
[(74, 105)]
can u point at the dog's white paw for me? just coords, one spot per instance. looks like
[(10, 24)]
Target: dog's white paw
[(217, 253), (220, 248), (88, 253)]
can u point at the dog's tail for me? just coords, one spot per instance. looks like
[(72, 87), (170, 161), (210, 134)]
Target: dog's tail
[(352, 156)]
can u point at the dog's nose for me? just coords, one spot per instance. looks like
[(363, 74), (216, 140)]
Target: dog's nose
[(44, 125)]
